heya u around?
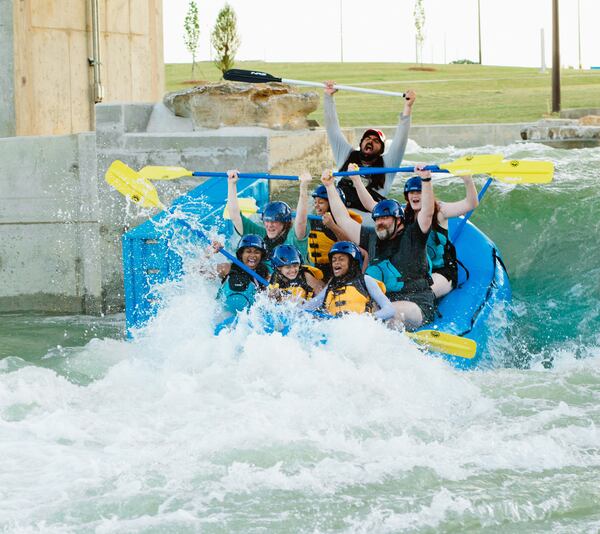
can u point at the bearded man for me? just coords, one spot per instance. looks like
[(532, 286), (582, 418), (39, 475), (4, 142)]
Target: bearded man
[(397, 251), (370, 152)]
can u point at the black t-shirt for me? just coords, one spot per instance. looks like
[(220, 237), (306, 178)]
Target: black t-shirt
[(407, 251)]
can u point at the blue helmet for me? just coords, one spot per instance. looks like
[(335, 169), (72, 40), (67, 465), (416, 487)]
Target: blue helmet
[(387, 208), (346, 247), (321, 192), (286, 255), (277, 211), (413, 184), (250, 240)]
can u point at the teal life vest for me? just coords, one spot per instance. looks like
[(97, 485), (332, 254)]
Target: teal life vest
[(385, 272), (436, 244), (238, 290)]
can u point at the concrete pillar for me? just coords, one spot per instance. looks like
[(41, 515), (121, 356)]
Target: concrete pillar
[(7, 79)]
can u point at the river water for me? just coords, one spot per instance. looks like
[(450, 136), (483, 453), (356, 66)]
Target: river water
[(182, 431)]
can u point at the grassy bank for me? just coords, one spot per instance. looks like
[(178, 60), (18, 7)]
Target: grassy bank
[(447, 94)]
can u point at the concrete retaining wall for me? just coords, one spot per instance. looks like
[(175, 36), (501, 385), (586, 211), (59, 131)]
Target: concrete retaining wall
[(61, 224)]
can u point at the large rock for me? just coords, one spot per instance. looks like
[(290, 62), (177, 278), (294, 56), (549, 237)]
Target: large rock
[(215, 105)]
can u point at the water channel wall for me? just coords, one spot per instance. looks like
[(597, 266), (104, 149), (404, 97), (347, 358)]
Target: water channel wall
[(61, 224)]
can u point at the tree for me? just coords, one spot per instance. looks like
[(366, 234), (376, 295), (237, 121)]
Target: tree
[(225, 39), (192, 32), (419, 14)]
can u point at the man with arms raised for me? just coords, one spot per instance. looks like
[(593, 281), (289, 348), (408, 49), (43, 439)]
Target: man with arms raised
[(397, 253), (370, 153)]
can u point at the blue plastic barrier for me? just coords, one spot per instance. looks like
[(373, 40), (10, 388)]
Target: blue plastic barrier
[(147, 258)]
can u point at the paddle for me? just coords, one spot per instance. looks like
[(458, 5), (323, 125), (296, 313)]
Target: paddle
[(513, 172), (128, 182), (434, 340), (156, 172), (256, 76), (437, 341), (540, 172)]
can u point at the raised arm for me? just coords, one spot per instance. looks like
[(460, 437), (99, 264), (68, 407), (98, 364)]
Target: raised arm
[(461, 207), (328, 222), (338, 209), (302, 208), (425, 215), (393, 157), (365, 197), (339, 144), (233, 205)]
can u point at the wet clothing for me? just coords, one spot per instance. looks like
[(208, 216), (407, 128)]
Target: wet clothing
[(440, 250), (250, 227), (299, 286), (442, 254), (401, 263), (238, 289), (356, 294), (342, 153), (320, 241)]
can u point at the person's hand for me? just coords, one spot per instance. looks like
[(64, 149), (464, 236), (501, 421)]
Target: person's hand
[(327, 178), (355, 177), (274, 292), (419, 171), (305, 178), (328, 220), (329, 88), (410, 97), (232, 176), (216, 246)]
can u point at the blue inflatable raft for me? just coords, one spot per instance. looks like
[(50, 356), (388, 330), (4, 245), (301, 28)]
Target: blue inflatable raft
[(471, 310)]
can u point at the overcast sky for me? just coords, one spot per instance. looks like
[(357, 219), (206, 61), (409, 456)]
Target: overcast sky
[(383, 30)]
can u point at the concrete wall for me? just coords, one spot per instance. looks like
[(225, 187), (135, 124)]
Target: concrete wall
[(52, 77), (48, 224)]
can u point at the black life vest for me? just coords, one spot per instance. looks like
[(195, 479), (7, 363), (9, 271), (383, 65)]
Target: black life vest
[(374, 181)]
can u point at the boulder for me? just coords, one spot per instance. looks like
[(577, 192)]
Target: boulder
[(220, 104)]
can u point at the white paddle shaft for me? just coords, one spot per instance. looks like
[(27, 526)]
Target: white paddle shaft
[(344, 87)]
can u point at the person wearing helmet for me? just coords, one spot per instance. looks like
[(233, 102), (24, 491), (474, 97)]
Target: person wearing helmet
[(324, 232), (349, 290), (440, 250), (370, 152), (291, 279), (238, 288), (277, 226), (397, 251)]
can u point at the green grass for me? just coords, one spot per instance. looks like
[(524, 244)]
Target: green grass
[(451, 94)]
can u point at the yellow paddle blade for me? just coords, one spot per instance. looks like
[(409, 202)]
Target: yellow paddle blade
[(247, 207), (154, 172), (129, 183), (437, 341), (475, 164), (523, 172)]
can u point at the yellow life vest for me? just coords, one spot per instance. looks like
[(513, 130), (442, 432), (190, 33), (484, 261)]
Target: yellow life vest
[(321, 239), (351, 297), (298, 288)]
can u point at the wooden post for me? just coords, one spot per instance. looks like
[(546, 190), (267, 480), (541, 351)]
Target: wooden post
[(555, 59)]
